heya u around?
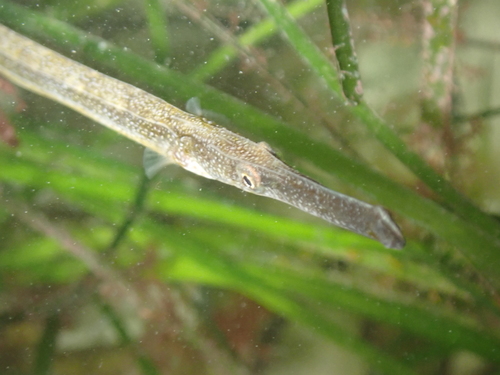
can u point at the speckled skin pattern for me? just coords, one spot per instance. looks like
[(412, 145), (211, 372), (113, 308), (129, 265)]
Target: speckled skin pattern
[(190, 141)]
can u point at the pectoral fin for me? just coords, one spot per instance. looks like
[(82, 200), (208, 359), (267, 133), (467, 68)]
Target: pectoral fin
[(193, 106), (153, 162)]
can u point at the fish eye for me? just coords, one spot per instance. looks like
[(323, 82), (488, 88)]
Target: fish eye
[(250, 178), (247, 181)]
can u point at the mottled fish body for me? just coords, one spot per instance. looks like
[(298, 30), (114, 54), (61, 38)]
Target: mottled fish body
[(184, 139)]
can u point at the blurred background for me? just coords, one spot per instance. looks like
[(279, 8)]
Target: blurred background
[(103, 271)]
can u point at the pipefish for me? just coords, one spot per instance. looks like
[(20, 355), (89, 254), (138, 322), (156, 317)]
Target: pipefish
[(181, 138)]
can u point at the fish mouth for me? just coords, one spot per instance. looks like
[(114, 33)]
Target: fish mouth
[(299, 191)]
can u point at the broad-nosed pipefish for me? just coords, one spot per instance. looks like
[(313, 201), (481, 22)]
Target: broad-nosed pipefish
[(181, 138)]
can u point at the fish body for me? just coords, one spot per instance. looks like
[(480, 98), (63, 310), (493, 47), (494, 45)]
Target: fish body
[(191, 141)]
